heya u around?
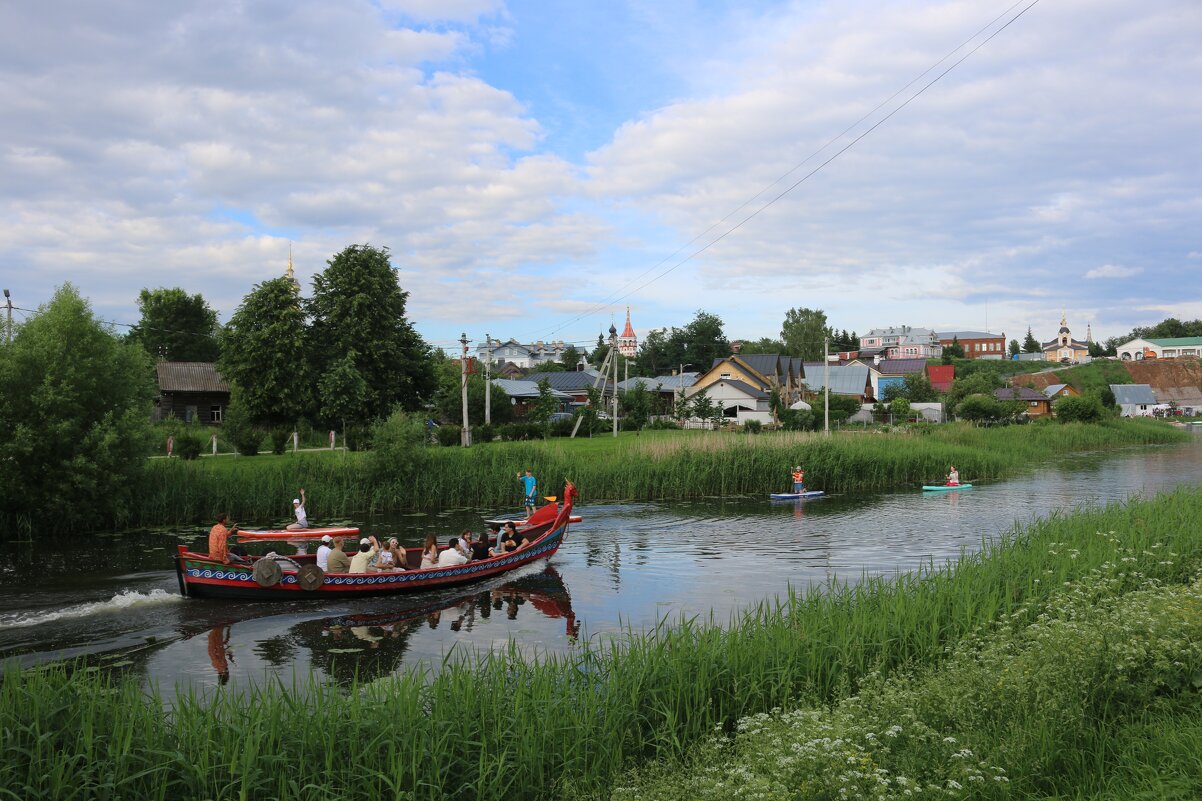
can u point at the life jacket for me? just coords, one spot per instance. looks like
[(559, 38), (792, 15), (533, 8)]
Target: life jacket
[(798, 475)]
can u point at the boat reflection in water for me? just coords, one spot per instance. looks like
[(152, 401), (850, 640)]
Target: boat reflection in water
[(365, 645)]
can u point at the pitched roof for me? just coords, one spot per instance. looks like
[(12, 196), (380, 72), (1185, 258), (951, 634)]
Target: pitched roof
[(1052, 389), (941, 376), (763, 363), (1019, 393), (574, 382), (1138, 394), (901, 366), (525, 389), (743, 387), (663, 383), (189, 377), (846, 379)]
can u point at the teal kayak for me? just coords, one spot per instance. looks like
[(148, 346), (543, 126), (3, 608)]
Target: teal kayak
[(945, 487)]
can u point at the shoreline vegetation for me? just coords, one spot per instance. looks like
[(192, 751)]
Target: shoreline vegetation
[(1063, 659), (656, 465)]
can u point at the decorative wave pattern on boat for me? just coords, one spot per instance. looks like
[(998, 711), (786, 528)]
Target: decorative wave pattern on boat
[(335, 579)]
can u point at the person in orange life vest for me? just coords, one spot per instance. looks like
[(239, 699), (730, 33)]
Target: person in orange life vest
[(799, 479)]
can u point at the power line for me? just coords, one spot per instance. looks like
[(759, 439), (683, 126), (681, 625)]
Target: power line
[(611, 300)]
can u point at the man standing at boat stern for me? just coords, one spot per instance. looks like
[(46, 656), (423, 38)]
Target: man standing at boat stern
[(219, 535), (530, 484)]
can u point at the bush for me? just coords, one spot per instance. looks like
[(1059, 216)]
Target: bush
[(188, 445), (753, 426), (279, 439), (979, 409), (486, 432), (798, 420), (398, 446), (519, 431), (563, 428), (448, 435), (357, 438), (664, 424), (1079, 409)]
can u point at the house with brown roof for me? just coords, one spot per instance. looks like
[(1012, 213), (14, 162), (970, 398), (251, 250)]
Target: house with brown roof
[(190, 391), (1038, 404)]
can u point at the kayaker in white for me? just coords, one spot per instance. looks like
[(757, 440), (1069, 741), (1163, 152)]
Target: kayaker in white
[(953, 477)]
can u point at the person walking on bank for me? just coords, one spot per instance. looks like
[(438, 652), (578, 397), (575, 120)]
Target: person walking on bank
[(530, 484), (302, 518)]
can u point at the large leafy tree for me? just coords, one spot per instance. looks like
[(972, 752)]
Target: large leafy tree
[(803, 331), (176, 326), (701, 341), (263, 352), (359, 305), (74, 419)]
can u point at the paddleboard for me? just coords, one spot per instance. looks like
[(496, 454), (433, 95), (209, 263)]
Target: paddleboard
[(945, 487), (296, 535), (793, 496)]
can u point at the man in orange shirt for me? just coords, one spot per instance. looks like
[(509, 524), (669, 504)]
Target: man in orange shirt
[(219, 548)]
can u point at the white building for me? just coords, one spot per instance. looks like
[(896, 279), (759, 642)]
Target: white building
[(628, 343), (524, 356), (1167, 348), (1134, 400)]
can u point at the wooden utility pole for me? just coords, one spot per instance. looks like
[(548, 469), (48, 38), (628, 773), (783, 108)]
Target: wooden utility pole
[(487, 380), (613, 349), (465, 436), (8, 300), (826, 387)]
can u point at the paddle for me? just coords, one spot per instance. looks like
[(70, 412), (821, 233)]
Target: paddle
[(551, 498)]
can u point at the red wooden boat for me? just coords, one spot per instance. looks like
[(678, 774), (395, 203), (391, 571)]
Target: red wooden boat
[(264, 579)]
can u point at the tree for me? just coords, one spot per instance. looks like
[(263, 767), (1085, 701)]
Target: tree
[(1014, 347), (1079, 409), (978, 409), (176, 326), (544, 406), (917, 388), (342, 392), (763, 345), (1030, 343), (701, 341), (900, 409), (570, 357), (636, 406), (74, 419), (263, 352), (597, 357), (803, 331), (359, 305), (953, 351), (653, 358), (982, 383), (1097, 349), (701, 406), (448, 400)]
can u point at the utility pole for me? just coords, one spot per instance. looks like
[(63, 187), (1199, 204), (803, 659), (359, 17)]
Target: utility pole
[(465, 436), (487, 380), (826, 387), (8, 300), (613, 349)]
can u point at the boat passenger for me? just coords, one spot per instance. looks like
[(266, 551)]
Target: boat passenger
[(451, 555), (512, 538), (799, 479), (391, 558), (323, 552), (465, 544), (430, 552), (953, 477), (480, 549), (338, 561), (368, 547), (219, 546), (298, 508)]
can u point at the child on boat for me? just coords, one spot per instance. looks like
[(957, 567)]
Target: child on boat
[(953, 477), (799, 479)]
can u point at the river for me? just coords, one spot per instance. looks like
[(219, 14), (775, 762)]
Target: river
[(113, 599)]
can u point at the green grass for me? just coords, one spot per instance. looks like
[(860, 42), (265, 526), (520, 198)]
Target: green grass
[(508, 726), (655, 465)]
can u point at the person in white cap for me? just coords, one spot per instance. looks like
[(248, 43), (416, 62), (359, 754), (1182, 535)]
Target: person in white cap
[(298, 506), (323, 552), (368, 547)]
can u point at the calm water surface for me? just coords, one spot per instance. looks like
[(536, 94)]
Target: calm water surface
[(114, 600)]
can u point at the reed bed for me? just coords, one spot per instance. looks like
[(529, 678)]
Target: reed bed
[(658, 465), (505, 726)]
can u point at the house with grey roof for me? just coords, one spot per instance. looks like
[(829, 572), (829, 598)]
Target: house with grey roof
[(1134, 400), (190, 391), (901, 342), (852, 380), (1057, 391), (575, 383), (523, 394)]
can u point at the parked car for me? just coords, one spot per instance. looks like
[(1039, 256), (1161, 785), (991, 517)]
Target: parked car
[(557, 416)]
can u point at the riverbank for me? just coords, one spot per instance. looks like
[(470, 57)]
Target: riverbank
[(516, 727), (652, 466)]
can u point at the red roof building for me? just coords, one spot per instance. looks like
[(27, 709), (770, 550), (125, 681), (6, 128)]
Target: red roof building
[(941, 376)]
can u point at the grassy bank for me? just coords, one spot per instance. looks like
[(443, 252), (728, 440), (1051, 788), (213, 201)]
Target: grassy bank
[(512, 727), (655, 465)]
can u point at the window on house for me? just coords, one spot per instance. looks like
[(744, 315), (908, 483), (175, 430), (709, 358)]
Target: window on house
[(215, 414), (724, 375)]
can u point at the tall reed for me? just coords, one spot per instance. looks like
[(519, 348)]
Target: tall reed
[(506, 726)]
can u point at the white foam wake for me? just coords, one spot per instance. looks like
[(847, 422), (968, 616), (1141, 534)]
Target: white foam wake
[(117, 603)]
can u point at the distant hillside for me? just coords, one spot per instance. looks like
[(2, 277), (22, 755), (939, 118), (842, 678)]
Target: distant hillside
[(1178, 380)]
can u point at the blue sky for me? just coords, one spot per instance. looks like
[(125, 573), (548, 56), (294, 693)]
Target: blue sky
[(530, 164)]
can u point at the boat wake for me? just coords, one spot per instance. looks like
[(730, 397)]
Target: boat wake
[(120, 602)]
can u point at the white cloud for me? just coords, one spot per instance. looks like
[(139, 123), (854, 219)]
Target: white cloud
[(1113, 271)]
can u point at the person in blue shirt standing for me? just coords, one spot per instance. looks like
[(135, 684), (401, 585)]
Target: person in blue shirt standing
[(530, 483)]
